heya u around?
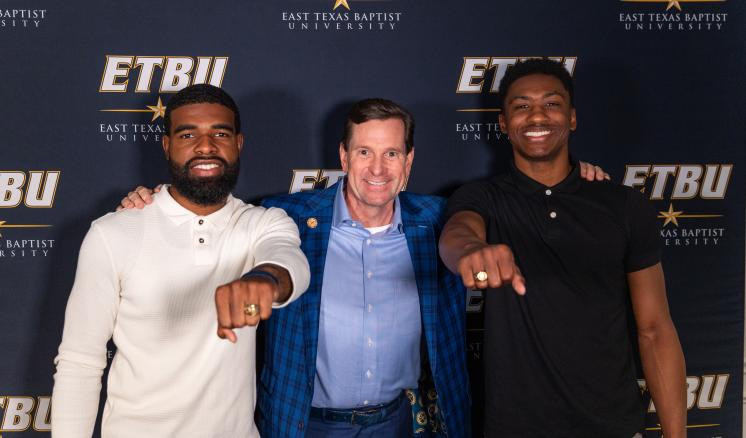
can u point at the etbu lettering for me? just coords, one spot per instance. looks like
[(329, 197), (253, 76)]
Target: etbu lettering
[(474, 69), (178, 72), (689, 180), (39, 192)]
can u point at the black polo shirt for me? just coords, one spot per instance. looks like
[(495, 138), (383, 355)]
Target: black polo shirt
[(558, 361)]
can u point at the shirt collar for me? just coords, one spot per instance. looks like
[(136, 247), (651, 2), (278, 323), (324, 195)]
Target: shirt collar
[(178, 214), (528, 186), (341, 214)]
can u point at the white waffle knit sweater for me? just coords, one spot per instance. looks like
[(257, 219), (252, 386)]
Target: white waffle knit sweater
[(147, 279)]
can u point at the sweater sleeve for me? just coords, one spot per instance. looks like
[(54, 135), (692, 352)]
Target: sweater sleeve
[(275, 240), (89, 323)]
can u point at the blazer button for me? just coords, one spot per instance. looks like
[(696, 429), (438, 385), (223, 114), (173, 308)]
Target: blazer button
[(300, 425)]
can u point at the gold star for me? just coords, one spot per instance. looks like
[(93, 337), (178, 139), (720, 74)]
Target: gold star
[(670, 216), (339, 3), (159, 110), (673, 4)]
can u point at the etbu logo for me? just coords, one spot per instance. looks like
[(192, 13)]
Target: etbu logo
[(24, 412), (37, 190), (310, 179), (680, 181), (703, 392), (475, 68), (177, 72)]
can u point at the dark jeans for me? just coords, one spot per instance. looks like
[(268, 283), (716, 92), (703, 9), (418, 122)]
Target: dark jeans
[(396, 425)]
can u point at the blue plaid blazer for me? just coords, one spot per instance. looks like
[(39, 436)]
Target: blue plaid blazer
[(285, 387)]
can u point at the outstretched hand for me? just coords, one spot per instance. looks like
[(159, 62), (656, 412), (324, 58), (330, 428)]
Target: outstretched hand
[(497, 262), (234, 304)]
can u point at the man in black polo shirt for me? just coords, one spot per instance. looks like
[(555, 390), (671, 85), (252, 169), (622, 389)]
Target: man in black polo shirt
[(558, 358)]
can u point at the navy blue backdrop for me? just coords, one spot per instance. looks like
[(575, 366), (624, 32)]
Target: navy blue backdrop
[(660, 101)]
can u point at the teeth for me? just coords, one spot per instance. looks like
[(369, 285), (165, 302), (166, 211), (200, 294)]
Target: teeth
[(377, 183), (537, 133), (206, 166)]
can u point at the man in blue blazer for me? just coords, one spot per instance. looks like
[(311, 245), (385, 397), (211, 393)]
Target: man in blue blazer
[(346, 358)]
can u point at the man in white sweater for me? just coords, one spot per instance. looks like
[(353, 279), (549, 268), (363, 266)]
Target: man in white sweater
[(147, 279)]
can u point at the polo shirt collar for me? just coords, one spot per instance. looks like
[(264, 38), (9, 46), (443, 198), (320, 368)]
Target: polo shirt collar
[(529, 186), (341, 214), (178, 214)]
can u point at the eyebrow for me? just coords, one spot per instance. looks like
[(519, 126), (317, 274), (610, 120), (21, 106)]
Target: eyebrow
[(183, 128), (549, 94), (225, 126)]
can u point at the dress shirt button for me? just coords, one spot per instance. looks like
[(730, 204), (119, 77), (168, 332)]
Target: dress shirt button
[(553, 215), (201, 221), (368, 374), (370, 274), (370, 308), (368, 241), (365, 402), (201, 240), (370, 342), (548, 192)]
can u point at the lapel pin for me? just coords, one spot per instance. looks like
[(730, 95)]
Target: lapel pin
[(312, 222)]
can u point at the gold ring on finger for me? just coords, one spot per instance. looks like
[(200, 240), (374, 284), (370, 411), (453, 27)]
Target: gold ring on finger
[(251, 309), (480, 276)]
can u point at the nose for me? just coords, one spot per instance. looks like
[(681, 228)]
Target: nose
[(377, 166), (538, 114), (205, 145)]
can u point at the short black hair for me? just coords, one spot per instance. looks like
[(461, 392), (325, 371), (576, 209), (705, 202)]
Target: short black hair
[(201, 93), (533, 66), (378, 109)]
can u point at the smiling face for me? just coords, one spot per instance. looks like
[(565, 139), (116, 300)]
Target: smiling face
[(538, 118), (377, 167), (202, 149)]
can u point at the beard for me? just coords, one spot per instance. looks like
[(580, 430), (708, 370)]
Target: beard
[(204, 191)]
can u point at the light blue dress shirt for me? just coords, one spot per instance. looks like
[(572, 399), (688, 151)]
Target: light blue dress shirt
[(369, 323)]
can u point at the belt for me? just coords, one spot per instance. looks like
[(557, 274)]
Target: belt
[(365, 416)]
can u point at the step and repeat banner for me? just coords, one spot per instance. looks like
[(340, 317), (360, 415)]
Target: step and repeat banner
[(661, 104)]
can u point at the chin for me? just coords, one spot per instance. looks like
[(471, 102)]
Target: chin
[(538, 154), (378, 201), (530, 156)]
